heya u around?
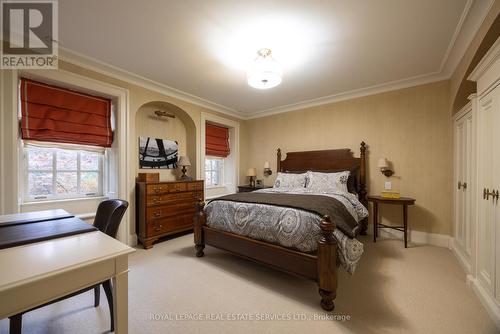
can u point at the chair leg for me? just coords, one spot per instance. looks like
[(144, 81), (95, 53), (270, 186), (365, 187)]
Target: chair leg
[(16, 324), (109, 295), (97, 295)]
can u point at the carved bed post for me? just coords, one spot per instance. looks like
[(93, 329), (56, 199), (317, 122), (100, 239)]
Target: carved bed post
[(199, 234), (362, 185), (327, 269), (278, 165)]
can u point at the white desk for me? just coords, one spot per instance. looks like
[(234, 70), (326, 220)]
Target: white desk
[(33, 274)]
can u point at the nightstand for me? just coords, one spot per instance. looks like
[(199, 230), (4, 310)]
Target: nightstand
[(403, 202), (247, 188)]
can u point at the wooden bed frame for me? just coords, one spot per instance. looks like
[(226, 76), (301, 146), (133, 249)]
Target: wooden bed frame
[(321, 266)]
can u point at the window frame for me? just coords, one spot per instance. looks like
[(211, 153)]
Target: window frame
[(221, 177), (27, 198)]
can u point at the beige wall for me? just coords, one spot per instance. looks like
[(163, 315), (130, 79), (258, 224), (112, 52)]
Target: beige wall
[(411, 127)]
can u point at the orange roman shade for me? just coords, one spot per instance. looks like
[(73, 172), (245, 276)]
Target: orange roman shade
[(216, 141), (54, 114)]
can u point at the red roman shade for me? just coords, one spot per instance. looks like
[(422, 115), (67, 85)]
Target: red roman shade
[(54, 114), (216, 141)]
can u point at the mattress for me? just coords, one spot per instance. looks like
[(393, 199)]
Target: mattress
[(288, 227)]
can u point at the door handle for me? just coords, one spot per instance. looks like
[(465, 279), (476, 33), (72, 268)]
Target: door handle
[(459, 185), (487, 194)]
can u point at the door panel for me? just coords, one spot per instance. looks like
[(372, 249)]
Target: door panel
[(486, 271)]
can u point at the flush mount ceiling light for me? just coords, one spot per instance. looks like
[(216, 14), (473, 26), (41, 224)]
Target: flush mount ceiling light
[(265, 72)]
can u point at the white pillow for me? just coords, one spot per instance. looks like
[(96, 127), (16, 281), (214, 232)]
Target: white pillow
[(289, 181), (327, 182)]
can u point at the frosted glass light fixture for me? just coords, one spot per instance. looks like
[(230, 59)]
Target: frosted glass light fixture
[(265, 72)]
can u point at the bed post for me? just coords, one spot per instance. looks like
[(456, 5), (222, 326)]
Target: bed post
[(278, 164), (199, 234), (327, 269), (362, 185)]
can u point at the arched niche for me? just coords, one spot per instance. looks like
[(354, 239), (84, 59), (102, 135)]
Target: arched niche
[(467, 87), (181, 129)]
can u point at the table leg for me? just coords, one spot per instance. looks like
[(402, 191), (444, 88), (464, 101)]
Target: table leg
[(375, 221), (120, 296), (405, 222)]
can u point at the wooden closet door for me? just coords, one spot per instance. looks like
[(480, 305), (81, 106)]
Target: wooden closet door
[(487, 146)]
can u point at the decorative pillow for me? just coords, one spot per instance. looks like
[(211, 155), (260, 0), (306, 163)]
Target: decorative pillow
[(327, 182), (289, 181)]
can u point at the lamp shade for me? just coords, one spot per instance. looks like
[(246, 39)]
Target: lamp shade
[(184, 161), (382, 163), (251, 172), (266, 164)]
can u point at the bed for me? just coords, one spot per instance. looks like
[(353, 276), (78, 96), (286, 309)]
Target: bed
[(318, 261)]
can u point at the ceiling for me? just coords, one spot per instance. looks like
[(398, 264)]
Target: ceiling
[(326, 48)]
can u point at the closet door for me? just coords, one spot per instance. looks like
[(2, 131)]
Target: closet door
[(496, 182), (463, 170), (487, 146), (460, 135)]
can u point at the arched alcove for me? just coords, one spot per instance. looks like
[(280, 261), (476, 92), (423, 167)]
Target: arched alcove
[(181, 129), (467, 87)]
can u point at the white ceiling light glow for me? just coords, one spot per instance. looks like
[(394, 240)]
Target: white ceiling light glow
[(265, 72)]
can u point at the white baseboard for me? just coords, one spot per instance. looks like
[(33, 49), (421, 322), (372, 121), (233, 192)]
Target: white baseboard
[(417, 237), (462, 259), (132, 240), (491, 305)]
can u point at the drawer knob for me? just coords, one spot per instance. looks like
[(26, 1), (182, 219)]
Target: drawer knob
[(157, 213)]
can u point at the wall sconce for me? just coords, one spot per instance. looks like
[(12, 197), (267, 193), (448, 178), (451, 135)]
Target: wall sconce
[(383, 164), (267, 169), (252, 173)]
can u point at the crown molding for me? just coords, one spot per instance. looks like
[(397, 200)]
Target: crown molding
[(353, 94), (489, 58), (472, 18), (101, 67)]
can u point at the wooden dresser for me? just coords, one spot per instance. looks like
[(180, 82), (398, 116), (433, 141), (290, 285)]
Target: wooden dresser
[(165, 208)]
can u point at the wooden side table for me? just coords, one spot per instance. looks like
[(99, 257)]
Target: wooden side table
[(403, 201)]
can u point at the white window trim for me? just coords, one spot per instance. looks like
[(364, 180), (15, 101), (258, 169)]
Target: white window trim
[(26, 198), (235, 147)]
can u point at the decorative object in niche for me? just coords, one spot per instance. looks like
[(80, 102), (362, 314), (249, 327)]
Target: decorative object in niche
[(157, 153), (161, 113)]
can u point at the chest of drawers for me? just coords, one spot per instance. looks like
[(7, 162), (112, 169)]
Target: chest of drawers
[(165, 208)]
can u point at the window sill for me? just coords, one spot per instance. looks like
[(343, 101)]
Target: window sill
[(215, 187), (66, 200)]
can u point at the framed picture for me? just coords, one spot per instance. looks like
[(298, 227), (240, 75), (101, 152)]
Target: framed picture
[(157, 153)]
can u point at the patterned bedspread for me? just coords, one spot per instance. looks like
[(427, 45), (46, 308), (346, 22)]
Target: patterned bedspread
[(288, 227)]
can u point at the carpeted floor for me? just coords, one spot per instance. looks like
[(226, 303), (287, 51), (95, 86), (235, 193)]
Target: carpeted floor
[(394, 290)]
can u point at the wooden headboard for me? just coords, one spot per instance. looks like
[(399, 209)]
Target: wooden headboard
[(329, 161)]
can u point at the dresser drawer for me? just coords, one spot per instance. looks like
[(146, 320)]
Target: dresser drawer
[(171, 198), (162, 211), (156, 189), (166, 225)]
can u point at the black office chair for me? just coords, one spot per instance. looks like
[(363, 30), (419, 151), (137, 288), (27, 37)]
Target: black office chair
[(107, 219)]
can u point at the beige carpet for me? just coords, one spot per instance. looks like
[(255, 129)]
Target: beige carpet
[(395, 290)]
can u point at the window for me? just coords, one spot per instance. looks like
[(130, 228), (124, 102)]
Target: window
[(214, 171), (57, 173)]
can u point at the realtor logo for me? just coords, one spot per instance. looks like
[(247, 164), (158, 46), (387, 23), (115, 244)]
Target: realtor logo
[(29, 34)]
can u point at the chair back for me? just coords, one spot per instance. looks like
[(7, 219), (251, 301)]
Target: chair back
[(109, 216)]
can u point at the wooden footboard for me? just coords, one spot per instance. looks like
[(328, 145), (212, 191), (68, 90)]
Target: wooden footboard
[(321, 267)]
